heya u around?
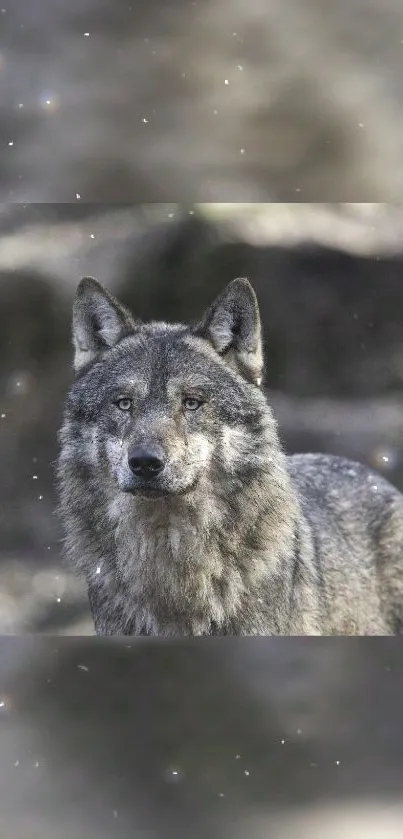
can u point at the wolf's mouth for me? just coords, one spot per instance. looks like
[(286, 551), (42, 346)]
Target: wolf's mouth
[(152, 493)]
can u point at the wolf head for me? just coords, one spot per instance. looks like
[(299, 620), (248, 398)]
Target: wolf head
[(159, 409)]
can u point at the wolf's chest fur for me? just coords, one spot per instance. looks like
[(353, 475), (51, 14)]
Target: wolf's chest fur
[(171, 572)]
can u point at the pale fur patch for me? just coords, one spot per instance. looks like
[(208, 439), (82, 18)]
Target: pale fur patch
[(90, 445), (236, 448), (233, 446), (202, 449)]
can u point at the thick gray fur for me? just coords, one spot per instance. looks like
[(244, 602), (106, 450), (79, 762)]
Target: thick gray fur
[(234, 537)]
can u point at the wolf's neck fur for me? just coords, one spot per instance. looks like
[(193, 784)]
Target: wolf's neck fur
[(197, 562)]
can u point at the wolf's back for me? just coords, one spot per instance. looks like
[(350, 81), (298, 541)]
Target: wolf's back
[(355, 518)]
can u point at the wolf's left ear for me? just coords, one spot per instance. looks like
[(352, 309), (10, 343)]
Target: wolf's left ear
[(232, 325), (99, 322)]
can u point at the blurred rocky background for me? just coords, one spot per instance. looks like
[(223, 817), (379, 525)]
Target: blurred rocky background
[(329, 281)]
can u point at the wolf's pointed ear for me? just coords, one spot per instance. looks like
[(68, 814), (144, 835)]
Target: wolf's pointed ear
[(232, 325), (99, 322)]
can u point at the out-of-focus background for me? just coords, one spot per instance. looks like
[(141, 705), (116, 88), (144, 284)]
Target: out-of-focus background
[(237, 738), (108, 111), (329, 281), (207, 100)]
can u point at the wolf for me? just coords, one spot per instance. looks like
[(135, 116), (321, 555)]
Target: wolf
[(181, 509)]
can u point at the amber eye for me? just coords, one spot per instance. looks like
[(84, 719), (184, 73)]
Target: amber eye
[(124, 404), (192, 404)]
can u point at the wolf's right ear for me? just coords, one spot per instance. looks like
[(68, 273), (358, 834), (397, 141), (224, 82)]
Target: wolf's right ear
[(232, 325), (99, 322)]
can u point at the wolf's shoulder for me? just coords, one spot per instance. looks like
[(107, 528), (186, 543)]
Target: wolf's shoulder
[(314, 465), (322, 472)]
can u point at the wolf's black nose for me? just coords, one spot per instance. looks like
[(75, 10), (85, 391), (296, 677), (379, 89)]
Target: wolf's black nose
[(146, 461)]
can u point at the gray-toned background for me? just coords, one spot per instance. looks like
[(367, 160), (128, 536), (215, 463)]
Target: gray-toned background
[(245, 739), (104, 108), (201, 100)]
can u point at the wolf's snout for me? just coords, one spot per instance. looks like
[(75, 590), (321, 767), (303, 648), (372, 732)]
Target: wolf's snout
[(146, 461)]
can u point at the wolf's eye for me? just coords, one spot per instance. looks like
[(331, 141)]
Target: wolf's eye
[(124, 404), (192, 404)]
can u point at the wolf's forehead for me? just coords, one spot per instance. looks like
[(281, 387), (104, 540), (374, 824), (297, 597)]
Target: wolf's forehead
[(171, 357)]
